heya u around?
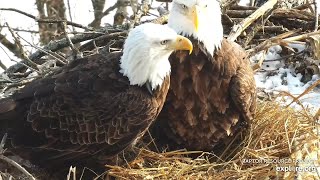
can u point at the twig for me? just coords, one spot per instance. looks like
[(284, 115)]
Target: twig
[(3, 142), (12, 162), (301, 37), (47, 20), (62, 43), (144, 8), (22, 30), (270, 42), (111, 8), (72, 173), (9, 45), (305, 92), (159, 20), (70, 16), (98, 14), (316, 11), (21, 49), (238, 29), (75, 51), (56, 56), (101, 40), (4, 67), (54, 46), (18, 166), (162, 11), (285, 57), (19, 83), (258, 65)]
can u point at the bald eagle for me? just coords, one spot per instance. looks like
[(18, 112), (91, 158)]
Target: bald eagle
[(96, 106), (212, 93)]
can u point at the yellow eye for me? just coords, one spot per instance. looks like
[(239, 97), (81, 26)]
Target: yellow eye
[(184, 6), (164, 42)]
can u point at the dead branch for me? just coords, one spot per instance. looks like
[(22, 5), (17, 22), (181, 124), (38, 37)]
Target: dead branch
[(12, 162), (101, 41), (316, 14), (54, 46), (270, 42), (293, 13), (227, 4), (9, 45), (98, 6), (238, 29), (21, 30), (159, 20), (239, 13), (21, 50), (162, 11), (75, 51), (4, 67), (18, 166), (121, 14), (47, 20), (100, 16), (301, 37), (144, 8)]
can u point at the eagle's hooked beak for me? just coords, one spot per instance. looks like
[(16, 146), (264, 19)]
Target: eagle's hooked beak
[(182, 43), (194, 16)]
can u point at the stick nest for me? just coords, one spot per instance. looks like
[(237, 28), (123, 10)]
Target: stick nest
[(279, 137)]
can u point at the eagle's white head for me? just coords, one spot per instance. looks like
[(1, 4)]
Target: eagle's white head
[(146, 52), (200, 19)]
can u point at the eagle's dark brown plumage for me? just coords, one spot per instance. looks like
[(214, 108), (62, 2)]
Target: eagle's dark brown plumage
[(77, 112), (210, 99), (212, 93), (88, 109)]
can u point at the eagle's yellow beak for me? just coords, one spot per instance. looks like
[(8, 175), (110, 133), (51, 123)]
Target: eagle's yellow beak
[(194, 16), (182, 43)]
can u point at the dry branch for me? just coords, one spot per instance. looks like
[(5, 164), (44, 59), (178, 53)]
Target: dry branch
[(12, 162), (98, 6), (54, 46), (21, 50), (238, 29), (101, 41), (47, 20)]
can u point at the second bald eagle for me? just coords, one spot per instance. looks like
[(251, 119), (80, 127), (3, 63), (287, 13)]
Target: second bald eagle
[(212, 92)]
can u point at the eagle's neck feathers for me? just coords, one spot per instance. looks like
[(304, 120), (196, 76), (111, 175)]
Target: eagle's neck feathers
[(210, 30), (145, 67)]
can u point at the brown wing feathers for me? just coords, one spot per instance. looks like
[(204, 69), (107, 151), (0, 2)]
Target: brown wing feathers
[(85, 108), (208, 97)]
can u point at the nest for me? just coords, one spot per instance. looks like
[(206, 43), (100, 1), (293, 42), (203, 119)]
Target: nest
[(279, 137)]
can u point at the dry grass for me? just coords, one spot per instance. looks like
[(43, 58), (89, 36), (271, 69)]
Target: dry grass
[(278, 133)]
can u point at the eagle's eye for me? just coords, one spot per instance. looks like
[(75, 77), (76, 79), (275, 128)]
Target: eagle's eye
[(184, 6), (164, 42)]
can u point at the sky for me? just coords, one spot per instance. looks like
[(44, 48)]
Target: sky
[(81, 11)]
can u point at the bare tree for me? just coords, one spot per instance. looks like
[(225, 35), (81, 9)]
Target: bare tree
[(98, 6), (51, 9), (122, 12)]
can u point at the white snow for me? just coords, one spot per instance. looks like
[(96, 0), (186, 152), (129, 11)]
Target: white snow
[(273, 77)]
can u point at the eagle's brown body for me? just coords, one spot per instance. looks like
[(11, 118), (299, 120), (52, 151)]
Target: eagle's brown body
[(210, 99), (86, 109)]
